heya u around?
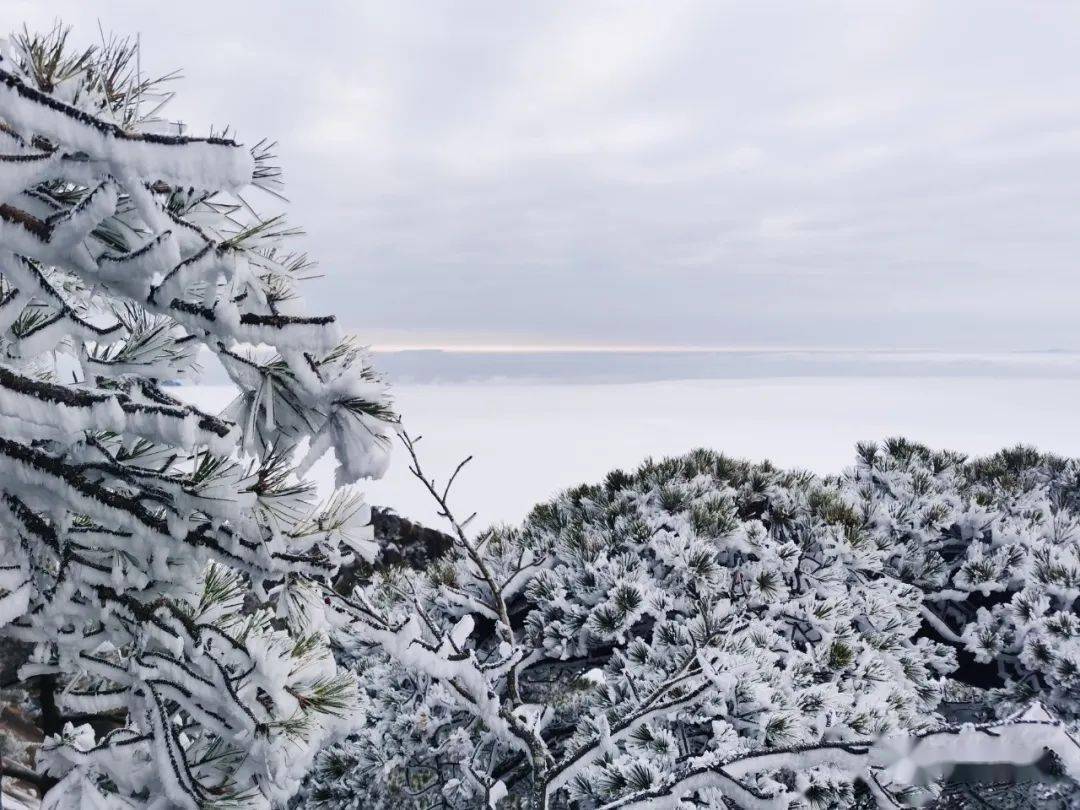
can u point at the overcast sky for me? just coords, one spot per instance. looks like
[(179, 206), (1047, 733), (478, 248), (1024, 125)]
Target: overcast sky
[(655, 174)]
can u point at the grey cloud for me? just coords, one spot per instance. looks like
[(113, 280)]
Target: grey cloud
[(656, 173)]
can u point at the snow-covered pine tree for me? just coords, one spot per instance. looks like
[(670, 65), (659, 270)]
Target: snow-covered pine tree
[(167, 563), (705, 632)]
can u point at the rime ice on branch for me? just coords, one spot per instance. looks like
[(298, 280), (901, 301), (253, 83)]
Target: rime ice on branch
[(166, 562), (707, 633)]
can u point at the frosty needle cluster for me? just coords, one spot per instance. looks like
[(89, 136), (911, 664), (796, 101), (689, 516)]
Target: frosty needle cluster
[(705, 632), (167, 563)]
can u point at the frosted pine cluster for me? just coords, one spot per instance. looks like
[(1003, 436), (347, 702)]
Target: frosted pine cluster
[(169, 564), (708, 629)]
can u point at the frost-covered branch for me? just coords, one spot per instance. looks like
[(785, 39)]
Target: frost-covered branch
[(472, 551), (167, 563), (486, 690), (704, 631), (896, 761)]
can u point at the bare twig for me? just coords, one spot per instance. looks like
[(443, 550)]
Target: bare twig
[(472, 552), (539, 753)]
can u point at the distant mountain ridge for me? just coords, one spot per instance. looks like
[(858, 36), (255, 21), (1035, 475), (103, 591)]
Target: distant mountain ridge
[(418, 366)]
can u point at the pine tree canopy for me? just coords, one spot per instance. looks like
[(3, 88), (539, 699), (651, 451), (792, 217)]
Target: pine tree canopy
[(705, 632), (168, 564)]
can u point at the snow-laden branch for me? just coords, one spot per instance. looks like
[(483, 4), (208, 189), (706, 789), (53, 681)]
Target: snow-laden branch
[(444, 659), (895, 761), (704, 630), (205, 163), (167, 563), (686, 687)]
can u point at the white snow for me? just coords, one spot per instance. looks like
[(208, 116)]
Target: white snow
[(198, 164), (529, 440)]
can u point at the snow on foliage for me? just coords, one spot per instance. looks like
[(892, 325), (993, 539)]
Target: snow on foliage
[(169, 564), (708, 629)]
